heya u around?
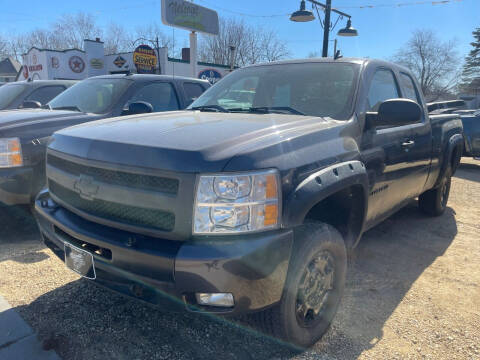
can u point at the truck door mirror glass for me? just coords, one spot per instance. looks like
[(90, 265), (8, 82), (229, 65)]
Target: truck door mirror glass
[(394, 112), (140, 107), (30, 104)]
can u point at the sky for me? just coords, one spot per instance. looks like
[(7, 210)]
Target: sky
[(383, 27)]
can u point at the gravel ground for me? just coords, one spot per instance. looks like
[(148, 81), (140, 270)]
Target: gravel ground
[(413, 292)]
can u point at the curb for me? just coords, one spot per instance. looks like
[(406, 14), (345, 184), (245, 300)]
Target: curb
[(17, 339)]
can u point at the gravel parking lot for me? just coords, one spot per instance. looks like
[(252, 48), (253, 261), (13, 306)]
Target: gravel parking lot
[(413, 292)]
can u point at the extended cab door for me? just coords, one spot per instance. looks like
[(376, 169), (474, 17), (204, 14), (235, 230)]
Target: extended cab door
[(420, 150), (385, 151)]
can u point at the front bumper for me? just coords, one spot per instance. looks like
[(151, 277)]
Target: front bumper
[(251, 267), (16, 185)]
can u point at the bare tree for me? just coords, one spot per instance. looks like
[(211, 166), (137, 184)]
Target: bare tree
[(70, 30), (3, 48), (151, 32), (117, 39), (253, 44), (434, 62)]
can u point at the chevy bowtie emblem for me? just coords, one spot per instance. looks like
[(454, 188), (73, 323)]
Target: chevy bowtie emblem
[(86, 187)]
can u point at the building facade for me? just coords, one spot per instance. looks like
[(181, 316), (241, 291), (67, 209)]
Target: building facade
[(76, 64), (9, 68)]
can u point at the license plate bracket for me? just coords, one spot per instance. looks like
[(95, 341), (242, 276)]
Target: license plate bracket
[(79, 261)]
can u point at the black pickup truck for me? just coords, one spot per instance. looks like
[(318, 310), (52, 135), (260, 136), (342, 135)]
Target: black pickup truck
[(31, 94), (24, 133), (247, 202)]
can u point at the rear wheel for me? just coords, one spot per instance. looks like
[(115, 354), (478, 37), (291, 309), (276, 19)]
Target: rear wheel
[(434, 202), (313, 290)]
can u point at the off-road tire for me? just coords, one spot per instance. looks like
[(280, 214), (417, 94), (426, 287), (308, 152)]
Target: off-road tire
[(281, 321), (434, 202)]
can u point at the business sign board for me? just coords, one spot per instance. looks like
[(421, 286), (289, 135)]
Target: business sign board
[(211, 75), (145, 59), (189, 16)]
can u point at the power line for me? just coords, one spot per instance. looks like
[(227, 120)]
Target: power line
[(367, 6)]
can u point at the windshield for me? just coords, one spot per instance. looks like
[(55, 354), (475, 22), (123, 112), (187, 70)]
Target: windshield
[(9, 92), (92, 96), (315, 89)]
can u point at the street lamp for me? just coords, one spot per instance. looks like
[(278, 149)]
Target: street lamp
[(303, 15)]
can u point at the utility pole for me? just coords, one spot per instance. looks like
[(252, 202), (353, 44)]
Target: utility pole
[(326, 27), (158, 54)]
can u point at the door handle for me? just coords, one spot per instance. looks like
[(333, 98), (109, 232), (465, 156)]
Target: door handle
[(408, 144)]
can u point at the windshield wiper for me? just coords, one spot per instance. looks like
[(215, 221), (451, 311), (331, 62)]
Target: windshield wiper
[(269, 110), (71, 107), (215, 108)]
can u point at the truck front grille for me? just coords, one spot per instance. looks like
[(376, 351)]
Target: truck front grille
[(115, 212), (113, 177)]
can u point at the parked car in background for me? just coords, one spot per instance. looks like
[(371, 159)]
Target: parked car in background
[(31, 94), (25, 133), (446, 106), (247, 202), (471, 130), (470, 119)]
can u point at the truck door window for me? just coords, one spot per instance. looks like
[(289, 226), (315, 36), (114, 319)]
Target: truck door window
[(409, 89), (383, 87), (193, 90), (161, 95), (44, 94)]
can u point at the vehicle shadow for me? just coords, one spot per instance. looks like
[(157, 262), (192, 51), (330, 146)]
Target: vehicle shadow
[(384, 266), (82, 321), (19, 235), (468, 171)]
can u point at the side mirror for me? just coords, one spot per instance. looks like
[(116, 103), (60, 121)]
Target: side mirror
[(394, 112), (140, 107), (30, 104)]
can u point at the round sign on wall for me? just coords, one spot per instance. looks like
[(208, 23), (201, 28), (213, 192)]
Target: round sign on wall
[(211, 75), (145, 59), (76, 64)]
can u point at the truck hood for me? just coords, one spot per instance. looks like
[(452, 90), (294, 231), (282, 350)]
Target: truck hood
[(18, 117), (34, 122), (185, 141)]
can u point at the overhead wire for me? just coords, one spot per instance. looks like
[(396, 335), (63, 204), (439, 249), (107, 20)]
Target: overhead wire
[(367, 6)]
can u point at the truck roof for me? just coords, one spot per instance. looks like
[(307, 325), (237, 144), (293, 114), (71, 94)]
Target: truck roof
[(148, 77), (36, 83), (351, 60)]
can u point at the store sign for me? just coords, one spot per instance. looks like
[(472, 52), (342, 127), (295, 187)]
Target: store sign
[(189, 16), (145, 59), (211, 75), (55, 62), (37, 67), (96, 63), (76, 64), (119, 61)]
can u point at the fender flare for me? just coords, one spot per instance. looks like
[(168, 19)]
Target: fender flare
[(321, 185), (455, 141)]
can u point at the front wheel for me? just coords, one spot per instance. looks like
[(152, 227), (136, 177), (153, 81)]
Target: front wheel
[(434, 202), (314, 287)]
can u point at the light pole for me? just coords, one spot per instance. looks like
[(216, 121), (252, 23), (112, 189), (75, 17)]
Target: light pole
[(303, 15), (156, 46)]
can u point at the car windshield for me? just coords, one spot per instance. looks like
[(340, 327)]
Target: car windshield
[(315, 89), (9, 92), (92, 95)]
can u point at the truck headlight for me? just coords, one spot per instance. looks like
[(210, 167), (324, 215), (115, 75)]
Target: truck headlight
[(10, 153), (237, 203)]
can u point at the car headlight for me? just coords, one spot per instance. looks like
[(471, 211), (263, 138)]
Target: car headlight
[(10, 153), (237, 203)]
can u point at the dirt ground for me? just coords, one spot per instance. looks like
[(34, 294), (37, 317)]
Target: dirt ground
[(413, 292)]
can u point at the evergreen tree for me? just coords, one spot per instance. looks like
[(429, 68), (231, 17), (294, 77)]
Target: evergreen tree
[(471, 68)]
